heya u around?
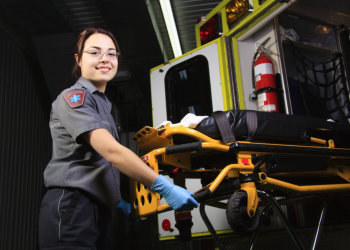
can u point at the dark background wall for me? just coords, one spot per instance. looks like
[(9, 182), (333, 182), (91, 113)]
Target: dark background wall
[(36, 57), (24, 147)]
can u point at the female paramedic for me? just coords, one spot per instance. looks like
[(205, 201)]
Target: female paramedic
[(82, 178)]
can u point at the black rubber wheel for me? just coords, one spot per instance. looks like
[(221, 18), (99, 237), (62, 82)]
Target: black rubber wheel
[(237, 216)]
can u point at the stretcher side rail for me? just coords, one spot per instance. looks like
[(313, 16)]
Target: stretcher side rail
[(150, 138), (241, 146), (292, 149)]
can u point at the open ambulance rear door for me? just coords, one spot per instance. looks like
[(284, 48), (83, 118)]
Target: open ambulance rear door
[(191, 83)]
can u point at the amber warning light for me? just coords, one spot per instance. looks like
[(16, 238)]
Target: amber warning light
[(235, 10)]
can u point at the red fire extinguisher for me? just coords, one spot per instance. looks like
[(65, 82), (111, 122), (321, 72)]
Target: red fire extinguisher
[(265, 84)]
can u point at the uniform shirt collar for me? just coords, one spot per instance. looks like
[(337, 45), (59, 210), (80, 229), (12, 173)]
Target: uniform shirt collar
[(87, 84)]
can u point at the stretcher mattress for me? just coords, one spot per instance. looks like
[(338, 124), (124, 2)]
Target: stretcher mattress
[(276, 127)]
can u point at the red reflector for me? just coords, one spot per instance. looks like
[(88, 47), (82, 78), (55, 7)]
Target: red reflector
[(177, 170), (210, 30), (166, 225), (245, 161), (145, 158)]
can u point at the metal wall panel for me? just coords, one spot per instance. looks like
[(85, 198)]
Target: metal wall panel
[(25, 149)]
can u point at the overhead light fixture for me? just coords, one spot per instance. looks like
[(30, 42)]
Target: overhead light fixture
[(171, 27)]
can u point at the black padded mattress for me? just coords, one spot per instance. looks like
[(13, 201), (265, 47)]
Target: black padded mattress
[(276, 127)]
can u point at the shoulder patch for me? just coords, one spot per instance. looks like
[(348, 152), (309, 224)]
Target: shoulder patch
[(75, 98)]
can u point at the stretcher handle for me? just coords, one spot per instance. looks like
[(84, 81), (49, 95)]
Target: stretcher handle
[(199, 197), (225, 187), (202, 195), (205, 194), (187, 147)]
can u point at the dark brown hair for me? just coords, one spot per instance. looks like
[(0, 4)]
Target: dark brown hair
[(82, 37)]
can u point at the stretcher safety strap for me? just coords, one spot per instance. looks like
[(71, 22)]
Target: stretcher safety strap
[(252, 124), (224, 127)]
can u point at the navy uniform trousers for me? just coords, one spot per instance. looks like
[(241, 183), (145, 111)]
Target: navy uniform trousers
[(71, 219)]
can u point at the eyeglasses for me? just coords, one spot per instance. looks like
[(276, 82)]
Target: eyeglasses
[(111, 54)]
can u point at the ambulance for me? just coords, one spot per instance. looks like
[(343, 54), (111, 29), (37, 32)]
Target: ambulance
[(263, 55)]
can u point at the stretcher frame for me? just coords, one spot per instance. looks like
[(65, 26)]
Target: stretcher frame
[(253, 177)]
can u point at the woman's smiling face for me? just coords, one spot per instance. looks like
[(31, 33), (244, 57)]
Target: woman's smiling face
[(99, 61)]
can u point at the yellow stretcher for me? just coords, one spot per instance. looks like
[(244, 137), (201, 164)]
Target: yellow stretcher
[(243, 171)]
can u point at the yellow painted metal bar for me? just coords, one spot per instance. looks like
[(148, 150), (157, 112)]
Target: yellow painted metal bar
[(308, 188), (317, 140), (252, 197), (331, 143), (238, 74), (189, 132), (225, 83), (311, 173), (256, 16), (220, 232), (163, 208), (294, 145), (158, 151), (225, 172)]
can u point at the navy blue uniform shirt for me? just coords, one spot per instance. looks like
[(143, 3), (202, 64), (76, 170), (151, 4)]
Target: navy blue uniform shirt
[(75, 164)]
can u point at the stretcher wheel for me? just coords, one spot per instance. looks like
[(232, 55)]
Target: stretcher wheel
[(237, 216)]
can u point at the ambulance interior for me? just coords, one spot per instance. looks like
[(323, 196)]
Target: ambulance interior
[(310, 62), (310, 58), (315, 67)]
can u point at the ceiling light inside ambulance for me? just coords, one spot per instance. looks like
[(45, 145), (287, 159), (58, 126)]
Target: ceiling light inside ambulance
[(235, 9), (210, 30)]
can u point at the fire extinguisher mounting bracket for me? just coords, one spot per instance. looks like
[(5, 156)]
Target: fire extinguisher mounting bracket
[(253, 96)]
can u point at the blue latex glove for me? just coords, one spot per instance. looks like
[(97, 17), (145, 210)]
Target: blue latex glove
[(177, 197), (124, 207)]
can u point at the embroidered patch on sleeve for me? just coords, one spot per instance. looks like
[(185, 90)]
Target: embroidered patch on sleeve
[(75, 98)]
